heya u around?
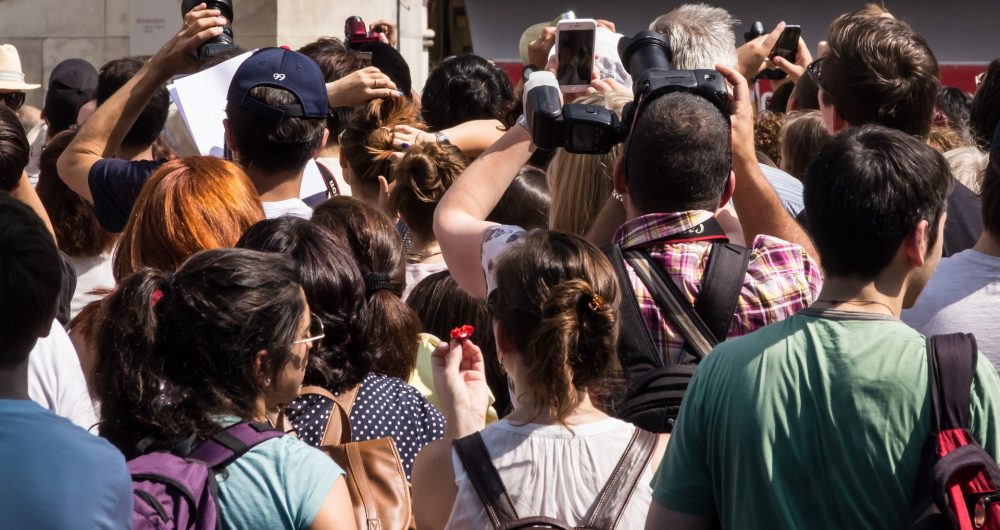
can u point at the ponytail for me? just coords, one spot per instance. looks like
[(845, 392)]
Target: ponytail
[(128, 376), (366, 142)]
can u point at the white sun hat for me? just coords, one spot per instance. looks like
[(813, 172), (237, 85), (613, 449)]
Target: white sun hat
[(11, 75)]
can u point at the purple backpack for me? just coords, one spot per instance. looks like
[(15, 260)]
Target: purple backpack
[(176, 493)]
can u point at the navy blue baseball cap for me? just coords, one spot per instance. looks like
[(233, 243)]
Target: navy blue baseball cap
[(280, 68)]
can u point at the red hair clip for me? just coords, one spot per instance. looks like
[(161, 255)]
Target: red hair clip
[(155, 298)]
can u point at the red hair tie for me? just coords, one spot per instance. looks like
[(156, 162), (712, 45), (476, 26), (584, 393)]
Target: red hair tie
[(155, 298)]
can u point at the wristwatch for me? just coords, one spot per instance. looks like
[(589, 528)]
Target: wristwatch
[(441, 138)]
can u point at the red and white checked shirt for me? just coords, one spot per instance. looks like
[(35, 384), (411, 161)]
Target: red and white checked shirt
[(780, 280)]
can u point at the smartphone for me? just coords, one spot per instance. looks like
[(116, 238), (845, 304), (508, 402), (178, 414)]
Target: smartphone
[(787, 46), (575, 45)]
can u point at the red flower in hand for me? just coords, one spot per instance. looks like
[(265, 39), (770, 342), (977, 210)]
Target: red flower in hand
[(462, 332)]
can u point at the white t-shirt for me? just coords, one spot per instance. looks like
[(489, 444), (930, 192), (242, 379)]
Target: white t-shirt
[(418, 271), (962, 296), (295, 207), (55, 379), (92, 272), (551, 471)]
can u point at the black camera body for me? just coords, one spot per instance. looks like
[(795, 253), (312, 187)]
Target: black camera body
[(224, 42), (588, 129)]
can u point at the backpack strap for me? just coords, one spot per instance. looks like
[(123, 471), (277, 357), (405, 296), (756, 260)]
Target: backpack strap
[(647, 356), (614, 497), (721, 286), (951, 366), (225, 446), (485, 479)]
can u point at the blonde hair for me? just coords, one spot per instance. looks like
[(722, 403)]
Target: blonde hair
[(580, 184), (967, 165)]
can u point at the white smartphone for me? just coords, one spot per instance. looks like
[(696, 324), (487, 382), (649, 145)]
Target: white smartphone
[(575, 44)]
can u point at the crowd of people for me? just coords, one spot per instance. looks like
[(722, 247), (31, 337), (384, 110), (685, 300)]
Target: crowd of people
[(732, 319)]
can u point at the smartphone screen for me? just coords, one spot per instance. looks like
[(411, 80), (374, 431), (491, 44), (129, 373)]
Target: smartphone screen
[(788, 43), (576, 56)]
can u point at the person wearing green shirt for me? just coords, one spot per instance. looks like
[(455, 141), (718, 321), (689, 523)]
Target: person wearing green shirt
[(819, 421)]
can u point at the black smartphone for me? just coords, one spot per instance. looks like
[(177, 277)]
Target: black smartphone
[(787, 46)]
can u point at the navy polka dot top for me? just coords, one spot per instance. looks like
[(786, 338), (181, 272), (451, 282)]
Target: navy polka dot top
[(385, 406)]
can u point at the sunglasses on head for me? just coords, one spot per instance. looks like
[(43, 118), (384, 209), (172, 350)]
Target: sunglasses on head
[(13, 100), (815, 70)]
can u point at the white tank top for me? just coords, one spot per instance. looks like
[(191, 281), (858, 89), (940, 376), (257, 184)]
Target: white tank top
[(551, 471)]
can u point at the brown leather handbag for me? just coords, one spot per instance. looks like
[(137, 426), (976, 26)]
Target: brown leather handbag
[(375, 477)]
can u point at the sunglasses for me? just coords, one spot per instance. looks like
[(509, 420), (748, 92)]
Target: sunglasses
[(815, 70), (13, 100), (316, 331)]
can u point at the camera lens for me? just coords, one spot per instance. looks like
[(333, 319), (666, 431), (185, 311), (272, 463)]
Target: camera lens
[(646, 50)]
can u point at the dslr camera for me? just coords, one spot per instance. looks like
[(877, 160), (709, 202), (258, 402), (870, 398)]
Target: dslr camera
[(589, 129), (356, 31), (223, 43)]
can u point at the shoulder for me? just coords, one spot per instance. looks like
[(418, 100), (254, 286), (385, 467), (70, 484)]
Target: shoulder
[(384, 388), (290, 455), (773, 259), (124, 169)]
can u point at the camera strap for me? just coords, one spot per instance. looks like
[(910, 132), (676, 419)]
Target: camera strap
[(710, 230)]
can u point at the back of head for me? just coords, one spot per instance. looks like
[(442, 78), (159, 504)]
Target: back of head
[(967, 165), (701, 36), (878, 70), (188, 205), (557, 301), (678, 156), (802, 137), (866, 192), (147, 127), (990, 193), (767, 135), (984, 114), (465, 88), (580, 184), (526, 202), (366, 143), (273, 146), (336, 61), (177, 351), (72, 83), (14, 149), (422, 176), (378, 250), (952, 108), (335, 292), (29, 283), (75, 223)]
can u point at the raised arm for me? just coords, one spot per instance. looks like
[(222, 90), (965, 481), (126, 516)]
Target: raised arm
[(460, 218), (757, 205), (101, 135), (471, 138)]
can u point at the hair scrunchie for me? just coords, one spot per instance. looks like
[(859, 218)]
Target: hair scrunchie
[(158, 294), (376, 281)]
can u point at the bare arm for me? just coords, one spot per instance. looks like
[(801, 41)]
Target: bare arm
[(471, 138), (661, 517), (434, 488), (25, 193), (337, 512), (460, 218), (101, 135), (757, 205)]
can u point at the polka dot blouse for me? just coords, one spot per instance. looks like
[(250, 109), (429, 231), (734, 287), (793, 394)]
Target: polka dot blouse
[(385, 406)]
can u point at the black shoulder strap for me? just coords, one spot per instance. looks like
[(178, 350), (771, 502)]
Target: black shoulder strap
[(674, 307), (614, 497), (721, 286), (485, 478), (328, 179), (951, 364), (633, 325)]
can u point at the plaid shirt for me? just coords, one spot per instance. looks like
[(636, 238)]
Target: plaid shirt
[(780, 280)]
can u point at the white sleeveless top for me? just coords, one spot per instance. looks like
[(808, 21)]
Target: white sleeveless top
[(551, 471)]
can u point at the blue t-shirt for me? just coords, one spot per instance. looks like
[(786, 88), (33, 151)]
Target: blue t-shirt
[(279, 484), (56, 475), (115, 185)]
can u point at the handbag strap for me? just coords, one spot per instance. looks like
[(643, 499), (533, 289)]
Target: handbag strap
[(485, 479), (338, 427), (614, 497)]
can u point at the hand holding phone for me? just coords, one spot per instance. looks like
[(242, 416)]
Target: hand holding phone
[(786, 48), (575, 45)]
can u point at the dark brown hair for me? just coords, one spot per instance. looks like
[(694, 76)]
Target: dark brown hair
[(990, 193), (378, 250), (422, 176), (366, 142), (14, 149), (879, 70), (273, 146), (557, 300), (336, 61), (77, 229)]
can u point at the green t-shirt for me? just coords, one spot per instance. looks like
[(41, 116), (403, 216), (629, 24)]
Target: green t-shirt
[(817, 421)]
